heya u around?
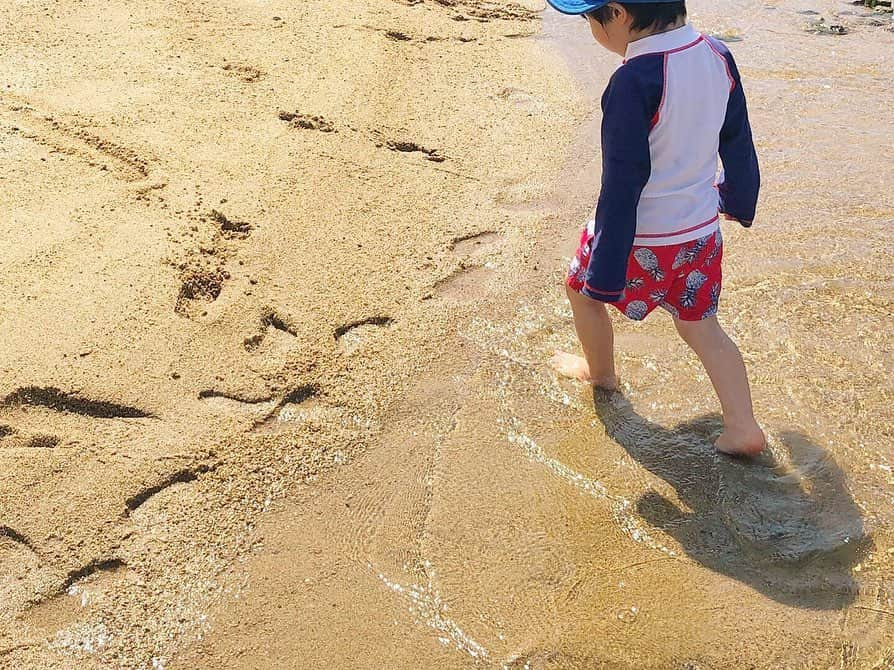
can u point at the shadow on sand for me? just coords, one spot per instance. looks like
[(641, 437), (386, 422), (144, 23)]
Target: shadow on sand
[(783, 523)]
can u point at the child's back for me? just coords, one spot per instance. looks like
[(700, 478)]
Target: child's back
[(692, 82), (668, 111)]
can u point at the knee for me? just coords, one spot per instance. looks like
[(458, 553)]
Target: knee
[(695, 333), (689, 330)]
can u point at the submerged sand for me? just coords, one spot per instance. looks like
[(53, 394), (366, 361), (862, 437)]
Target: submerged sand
[(279, 281)]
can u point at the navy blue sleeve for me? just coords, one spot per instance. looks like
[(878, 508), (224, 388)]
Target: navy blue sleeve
[(741, 180), (629, 108)]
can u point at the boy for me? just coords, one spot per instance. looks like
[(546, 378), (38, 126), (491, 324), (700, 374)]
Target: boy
[(674, 104)]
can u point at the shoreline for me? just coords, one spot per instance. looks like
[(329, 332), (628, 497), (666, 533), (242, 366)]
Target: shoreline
[(362, 455)]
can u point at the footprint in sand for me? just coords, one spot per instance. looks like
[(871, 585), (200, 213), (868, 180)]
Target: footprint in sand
[(82, 590), (300, 406), (236, 404), (408, 147), (308, 121), (276, 335), (467, 284), (229, 228), (199, 287), (204, 272), (20, 566), (476, 244), (473, 279), (164, 482), (351, 336)]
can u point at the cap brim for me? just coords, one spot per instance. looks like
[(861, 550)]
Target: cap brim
[(576, 6)]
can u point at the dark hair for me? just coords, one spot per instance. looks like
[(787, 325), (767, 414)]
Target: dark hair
[(645, 15)]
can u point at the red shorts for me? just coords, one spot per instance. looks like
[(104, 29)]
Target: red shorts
[(684, 279)]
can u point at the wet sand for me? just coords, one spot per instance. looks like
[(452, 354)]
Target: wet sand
[(278, 293)]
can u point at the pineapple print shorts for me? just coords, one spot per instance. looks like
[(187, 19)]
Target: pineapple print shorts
[(684, 279)]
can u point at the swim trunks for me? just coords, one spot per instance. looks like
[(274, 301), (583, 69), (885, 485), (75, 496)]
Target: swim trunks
[(684, 279)]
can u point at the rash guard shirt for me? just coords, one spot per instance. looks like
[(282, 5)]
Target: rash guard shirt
[(669, 111)]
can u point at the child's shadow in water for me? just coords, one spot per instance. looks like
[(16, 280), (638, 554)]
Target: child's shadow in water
[(783, 523)]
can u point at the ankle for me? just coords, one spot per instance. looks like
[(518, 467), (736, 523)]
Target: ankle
[(609, 382), (742, 426)]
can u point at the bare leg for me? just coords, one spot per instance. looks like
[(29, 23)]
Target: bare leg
[(724, 365), (594, 330)]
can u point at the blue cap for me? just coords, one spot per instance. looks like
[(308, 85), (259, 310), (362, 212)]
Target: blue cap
[(584, 6), (577, 6)]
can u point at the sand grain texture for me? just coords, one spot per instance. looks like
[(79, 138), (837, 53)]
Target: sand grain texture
[(202, 201), (277, 285)]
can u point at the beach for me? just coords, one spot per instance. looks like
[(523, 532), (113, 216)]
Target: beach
[(279, 285)]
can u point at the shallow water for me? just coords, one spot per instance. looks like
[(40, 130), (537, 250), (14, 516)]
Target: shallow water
[(506, 518), (808, 297), (796, 545)]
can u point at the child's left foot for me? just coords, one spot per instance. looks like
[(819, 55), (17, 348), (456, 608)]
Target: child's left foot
[(739, 442), (570, 365)]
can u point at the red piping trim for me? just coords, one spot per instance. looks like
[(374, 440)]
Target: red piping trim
[(670, 51), (683, 48), (657, 117), (596, 290), (729, 74), (680, 232)]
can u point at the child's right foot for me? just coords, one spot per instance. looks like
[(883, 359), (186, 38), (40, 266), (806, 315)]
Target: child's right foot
[(741, 442), (570, 365)]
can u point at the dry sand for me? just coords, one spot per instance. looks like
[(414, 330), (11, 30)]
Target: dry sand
[(277, 285)]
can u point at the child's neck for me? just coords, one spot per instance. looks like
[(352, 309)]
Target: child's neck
[(648, 32)]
